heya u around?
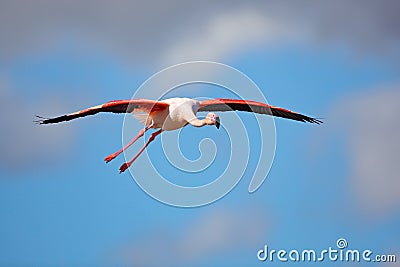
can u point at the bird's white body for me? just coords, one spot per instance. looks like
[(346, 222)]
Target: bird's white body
[(179, 113)]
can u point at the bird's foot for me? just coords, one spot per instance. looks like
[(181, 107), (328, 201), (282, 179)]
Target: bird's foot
[(124, 167), (110, 157)]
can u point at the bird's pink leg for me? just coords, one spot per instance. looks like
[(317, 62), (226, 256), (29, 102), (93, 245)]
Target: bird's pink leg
[(126, 165), (114, 155)]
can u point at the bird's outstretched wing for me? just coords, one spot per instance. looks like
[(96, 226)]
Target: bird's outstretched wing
[(115, 106), (221, 104)]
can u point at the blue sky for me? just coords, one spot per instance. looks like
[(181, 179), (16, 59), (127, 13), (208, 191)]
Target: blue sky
[(62, 205)]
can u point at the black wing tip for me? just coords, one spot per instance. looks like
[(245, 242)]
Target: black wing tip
[(42, 120), (313, 120)]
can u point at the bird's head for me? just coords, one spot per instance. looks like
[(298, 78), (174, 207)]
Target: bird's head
[(213, 119)]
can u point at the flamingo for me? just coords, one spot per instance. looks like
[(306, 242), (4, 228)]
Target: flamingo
[(174, 113)]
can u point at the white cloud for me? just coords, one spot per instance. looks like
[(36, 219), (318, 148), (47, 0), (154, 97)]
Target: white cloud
[(217, 232), (372, 127), (23, 144), (224, 35), (150, 33)]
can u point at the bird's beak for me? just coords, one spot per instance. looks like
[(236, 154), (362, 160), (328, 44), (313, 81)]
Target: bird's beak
[(217, 122)]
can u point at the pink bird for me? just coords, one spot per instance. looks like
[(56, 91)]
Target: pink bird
[(175, 113)]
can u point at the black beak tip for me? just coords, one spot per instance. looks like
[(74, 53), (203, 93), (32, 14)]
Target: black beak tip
[(217, 123)]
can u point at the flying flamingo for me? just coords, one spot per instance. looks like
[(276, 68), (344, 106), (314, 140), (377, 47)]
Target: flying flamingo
[(174, 113)]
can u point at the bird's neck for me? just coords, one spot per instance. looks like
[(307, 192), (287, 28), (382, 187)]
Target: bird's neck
[(197, 122)]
